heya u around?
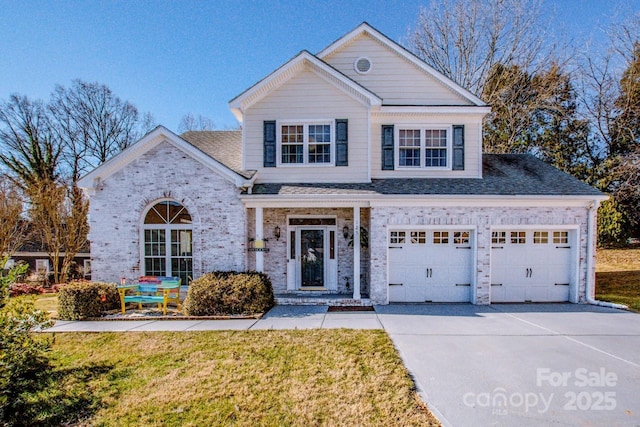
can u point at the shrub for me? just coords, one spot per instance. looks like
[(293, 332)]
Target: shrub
[(229, 292), (19, 289), (22, 352), (79, 300)]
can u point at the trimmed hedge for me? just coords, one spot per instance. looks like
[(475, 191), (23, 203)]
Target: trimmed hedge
[(79, 300), (224, 293)]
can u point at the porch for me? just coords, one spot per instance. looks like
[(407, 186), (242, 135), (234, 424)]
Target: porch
[(309, 252)]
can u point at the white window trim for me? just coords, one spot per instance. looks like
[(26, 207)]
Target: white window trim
[(422, 128), (47, 265), (305, 143)]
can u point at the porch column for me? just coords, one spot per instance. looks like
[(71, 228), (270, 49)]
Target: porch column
[(259, 238), (356, 252)]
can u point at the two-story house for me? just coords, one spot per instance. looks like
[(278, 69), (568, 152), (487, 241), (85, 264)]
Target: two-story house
[(358, 173)]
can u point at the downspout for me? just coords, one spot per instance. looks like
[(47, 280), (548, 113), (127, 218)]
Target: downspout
[(590, 278)]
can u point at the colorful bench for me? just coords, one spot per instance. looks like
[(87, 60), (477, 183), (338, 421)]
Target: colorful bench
[(159, 290)]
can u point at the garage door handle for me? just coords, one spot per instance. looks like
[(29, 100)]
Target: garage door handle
[(429, 272), (395, 284), (496, 284), (529, 272), (463, 284), (497, 247), (463, 247), (395, 247), (561, 284), (563, 247)]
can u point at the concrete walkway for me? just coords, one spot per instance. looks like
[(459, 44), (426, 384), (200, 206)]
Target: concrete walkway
[(279, 317)]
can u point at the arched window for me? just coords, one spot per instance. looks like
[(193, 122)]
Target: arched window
[(167, 241)]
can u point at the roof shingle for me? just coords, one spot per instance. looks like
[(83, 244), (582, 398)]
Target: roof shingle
[(224, 146)]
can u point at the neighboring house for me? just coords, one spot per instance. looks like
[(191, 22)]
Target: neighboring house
[(362, 142), (34, 253)]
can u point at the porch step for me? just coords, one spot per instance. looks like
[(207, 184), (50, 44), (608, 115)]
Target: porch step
[(341, 300)]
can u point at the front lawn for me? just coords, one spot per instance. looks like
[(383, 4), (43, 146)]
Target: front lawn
[(316, 377), (618, 276)]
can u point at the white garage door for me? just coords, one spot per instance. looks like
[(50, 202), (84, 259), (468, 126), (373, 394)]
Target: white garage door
[(531, 265), (430, 265)]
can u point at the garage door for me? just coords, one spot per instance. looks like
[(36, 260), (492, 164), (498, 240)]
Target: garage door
[(430, 265), (531, 265)]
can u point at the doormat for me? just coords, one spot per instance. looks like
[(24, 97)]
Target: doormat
[(333, 308)]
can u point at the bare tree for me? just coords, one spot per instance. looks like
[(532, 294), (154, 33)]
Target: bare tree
[(59, 217), (12, 225), (92, 123), (189, 122), (465, 39), (29, 148)]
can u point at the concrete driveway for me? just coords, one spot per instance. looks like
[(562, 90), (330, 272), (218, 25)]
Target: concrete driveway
[(521, 365)]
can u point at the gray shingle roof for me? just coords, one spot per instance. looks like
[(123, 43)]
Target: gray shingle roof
[(223, 145), (503, 174)]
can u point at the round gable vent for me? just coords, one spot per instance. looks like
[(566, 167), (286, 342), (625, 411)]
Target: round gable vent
[(362, 65)]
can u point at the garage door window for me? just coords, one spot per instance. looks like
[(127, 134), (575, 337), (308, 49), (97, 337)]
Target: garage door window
[(518, 237), (441, 237), (540, 237), (418, 237), (397, 237), (461, 237), (499, 237), (561, 237)]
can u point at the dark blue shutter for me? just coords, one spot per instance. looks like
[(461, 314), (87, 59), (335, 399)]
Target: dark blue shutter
[(387, 147), (342, 142), (269, 144), (458, 148)]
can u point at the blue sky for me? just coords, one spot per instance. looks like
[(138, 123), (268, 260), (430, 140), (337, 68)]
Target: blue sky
[(175, 57)]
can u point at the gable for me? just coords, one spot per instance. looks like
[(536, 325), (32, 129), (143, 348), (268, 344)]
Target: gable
[(158, 136), (393, 78)]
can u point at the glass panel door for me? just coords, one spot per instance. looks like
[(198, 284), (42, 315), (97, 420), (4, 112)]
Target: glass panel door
[(181, 255), (155, 253), (312, 257)]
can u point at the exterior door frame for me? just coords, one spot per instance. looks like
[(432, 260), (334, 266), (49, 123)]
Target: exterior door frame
[(294, 255)]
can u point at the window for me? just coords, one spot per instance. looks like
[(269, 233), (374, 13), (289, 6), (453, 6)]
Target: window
[(42, 266), (561, 237), (397, 237), (409, 147), (167, 241), (424, 147), (498, 237), (435, 152), (540, 237), (306, 143), (518, 237), (461, 237), (419, 237), (440, 237)]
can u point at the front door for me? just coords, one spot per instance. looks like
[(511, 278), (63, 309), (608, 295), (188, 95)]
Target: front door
[(312, 258)]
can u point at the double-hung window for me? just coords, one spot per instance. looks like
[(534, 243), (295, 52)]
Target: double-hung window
[(424, 147), (306, 143)]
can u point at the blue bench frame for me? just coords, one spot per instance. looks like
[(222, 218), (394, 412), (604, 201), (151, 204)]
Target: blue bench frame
[(150, 289)]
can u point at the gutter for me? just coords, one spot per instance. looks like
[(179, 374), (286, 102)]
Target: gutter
[(590, 282)]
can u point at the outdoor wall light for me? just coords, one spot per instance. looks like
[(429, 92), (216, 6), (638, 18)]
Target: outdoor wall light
[(345, 232), (276, 232)]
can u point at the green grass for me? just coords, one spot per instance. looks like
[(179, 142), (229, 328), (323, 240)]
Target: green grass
[(245, 378), (48, 303), (618, 276)]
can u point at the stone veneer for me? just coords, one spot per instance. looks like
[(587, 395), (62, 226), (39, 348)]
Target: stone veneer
[(162, 173), (482, 219)]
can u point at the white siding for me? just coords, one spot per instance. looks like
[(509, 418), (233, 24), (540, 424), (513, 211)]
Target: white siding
[(391, 77), (472, 142), (308, 97)]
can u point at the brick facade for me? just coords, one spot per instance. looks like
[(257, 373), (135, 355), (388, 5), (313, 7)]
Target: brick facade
[(482, 220), (162, 173)]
